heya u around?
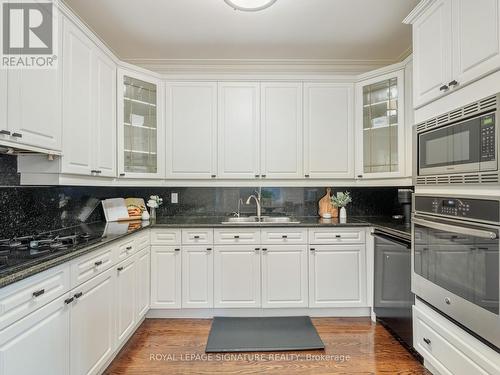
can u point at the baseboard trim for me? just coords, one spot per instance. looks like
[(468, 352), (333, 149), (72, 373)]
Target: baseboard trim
[(210, 313)]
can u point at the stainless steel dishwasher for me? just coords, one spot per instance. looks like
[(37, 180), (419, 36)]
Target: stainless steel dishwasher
[(393, 298)]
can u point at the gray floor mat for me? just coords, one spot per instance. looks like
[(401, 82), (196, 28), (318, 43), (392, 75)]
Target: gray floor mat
[(262, 334)]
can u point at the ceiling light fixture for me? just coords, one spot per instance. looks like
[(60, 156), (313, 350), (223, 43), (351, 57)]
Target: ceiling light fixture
[(250, 5)]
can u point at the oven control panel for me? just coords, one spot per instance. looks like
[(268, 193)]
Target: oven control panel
[(466, 208)]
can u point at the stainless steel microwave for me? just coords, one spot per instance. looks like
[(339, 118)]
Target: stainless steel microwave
[(460, 146)]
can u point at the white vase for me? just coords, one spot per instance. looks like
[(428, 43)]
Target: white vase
[(343, 214), (145, 215)]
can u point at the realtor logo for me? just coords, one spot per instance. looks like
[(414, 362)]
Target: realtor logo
[(28, 31)]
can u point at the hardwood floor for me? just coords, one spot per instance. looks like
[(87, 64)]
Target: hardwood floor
[(176, 346)]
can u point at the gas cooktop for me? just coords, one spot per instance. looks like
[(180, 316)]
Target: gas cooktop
[(23, 250)]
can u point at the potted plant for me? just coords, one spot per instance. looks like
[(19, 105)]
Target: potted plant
[(341, 200)]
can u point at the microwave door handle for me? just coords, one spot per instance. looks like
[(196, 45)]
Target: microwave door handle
[(456, 229)]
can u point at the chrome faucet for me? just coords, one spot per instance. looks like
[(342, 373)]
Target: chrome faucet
[(238, 213), (256, 196)]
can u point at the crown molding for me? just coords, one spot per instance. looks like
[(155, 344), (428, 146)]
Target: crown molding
[(259, 66), (417, 11)]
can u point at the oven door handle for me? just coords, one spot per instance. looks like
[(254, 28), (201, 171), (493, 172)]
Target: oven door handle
[(456, 229)]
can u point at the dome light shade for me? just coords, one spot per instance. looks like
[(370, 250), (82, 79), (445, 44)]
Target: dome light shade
[(250, 5)]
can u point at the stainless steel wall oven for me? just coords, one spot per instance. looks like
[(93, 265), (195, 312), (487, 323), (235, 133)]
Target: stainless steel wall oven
[(455, 260)]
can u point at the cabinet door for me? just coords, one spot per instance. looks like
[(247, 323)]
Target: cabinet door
[(141, 148), (143, 283), (34, 102), (92, 324), (284, 276), (238, 130), (432, 49), (39, 343), (125, 298), (328, 130), (78, 94), (197, 277), (337, 276), (236, 276), (476, 39), (380, 127), (165, 277), (281, 125), (3, 102), (191, 130), (105, 112)]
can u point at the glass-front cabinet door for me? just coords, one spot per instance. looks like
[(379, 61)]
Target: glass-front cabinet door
[(140, 126), (381, 126)]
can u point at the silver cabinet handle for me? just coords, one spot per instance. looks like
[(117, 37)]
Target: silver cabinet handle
[(456, 229)]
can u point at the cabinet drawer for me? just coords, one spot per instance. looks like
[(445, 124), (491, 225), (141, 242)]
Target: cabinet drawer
[(332, 236), (166, 237), (125, 249), (142, 240), (448, 348), (197, 236), (19, 299), (284, 236), (90, 265), (237, 236)]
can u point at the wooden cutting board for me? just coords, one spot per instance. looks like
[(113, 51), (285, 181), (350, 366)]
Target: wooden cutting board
[(325, 205)]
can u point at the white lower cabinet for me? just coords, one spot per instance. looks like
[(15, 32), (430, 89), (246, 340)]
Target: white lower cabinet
[(284, 276), (237, 276), (125, 298), (448, 349), (337, 276), (92, 324), (38, 343), (165, 277), (143, 261), (197, 276)]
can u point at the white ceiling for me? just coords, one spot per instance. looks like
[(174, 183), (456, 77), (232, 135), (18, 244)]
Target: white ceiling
[(290, 29)]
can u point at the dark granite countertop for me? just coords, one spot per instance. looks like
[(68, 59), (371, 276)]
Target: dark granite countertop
[(109, 233), (115, 231)]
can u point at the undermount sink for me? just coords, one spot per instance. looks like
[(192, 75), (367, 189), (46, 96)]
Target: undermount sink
[(263, 220)]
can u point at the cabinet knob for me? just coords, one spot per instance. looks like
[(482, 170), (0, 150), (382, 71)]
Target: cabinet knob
[(17, 135), (78, 295), (209, 249), (307, 176), (338, 236), (257, 248), (177, 249), (312, 249), (214, 176), (263, 176), (122, 174), (128, 248), (196, 237), (427, 341), (67, 301), (98, 263), (264, 249), (119, 269), (257, 175), (284, 236), (444, 88), (38, 293), (5, 132), (360, 176), (236, 237), (453, 83)]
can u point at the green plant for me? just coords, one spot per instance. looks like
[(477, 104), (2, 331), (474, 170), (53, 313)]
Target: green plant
[(341, 199)]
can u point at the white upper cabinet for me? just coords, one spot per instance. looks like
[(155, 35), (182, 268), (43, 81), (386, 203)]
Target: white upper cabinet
[(34, 105), (432, 52), (281, 130), (476, 38), (89, 107), (455, 42), (238, 130), (191, 118), (78, 134), (380, 126), (105, 112), (141, 147), (3, 104), (328, 130)]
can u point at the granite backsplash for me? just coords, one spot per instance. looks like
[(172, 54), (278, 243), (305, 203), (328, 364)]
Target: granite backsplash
[(28, 209)]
